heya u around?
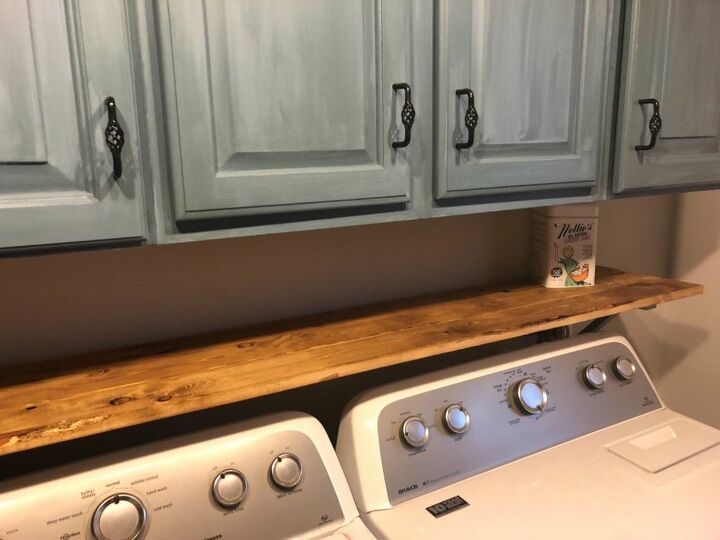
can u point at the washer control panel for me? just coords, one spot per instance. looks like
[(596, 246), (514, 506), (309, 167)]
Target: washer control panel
[(469, 419), (242, 481)]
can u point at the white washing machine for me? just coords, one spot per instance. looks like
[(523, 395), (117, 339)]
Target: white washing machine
[(563, 440), (273, 477)]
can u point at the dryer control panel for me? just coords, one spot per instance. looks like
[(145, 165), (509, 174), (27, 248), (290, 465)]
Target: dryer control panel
[(443, 427)]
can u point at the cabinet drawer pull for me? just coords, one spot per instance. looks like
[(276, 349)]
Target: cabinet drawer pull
[(655, 124), (407, 114), (471, 118), (114, 136)]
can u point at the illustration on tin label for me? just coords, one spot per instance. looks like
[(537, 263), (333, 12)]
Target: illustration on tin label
[(576, 273)]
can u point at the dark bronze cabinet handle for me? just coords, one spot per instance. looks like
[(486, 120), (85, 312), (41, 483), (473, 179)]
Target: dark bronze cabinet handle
[(407, 114), (114, 136), (471, 118), (655, 124)]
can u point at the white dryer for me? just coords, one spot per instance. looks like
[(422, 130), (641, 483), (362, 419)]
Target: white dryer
[(563, 440), (273, 477)]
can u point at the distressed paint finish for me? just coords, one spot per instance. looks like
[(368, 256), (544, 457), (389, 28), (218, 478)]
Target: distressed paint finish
[(285, 106), (21, 131), (56, 68), (671, 54), (314, 80), (43, 76), (526, 53), (539, 71), (64, 400), (691, 86)]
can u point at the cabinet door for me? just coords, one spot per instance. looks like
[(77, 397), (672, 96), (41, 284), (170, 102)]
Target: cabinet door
[(58, 62), (285, 106), (672, 55), (537, 70)]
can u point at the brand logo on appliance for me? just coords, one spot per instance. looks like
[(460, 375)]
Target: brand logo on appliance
[(445, 507), (406, 489), (573, 232)]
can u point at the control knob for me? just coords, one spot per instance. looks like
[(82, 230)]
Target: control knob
[(530, 396), (286, 471), (594, 376), (414, 432), (119, 517), (624, 368), (229, 488), (457, 418)]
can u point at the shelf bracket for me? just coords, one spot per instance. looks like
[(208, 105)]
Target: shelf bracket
[(562, 332), (597, 324), (554, 334)]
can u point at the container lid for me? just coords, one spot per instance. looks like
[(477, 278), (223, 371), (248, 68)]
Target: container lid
[(570, 211)]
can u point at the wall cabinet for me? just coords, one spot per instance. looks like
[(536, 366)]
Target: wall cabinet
[(672, 68), (287, 106), (58, 64), (521, 94), (251, 117)]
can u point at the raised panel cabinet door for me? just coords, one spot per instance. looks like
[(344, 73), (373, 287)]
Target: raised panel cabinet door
[(288, 105), (672, 64), (536, 72), (59, 61)]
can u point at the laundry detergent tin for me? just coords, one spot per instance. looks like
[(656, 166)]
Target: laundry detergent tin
[(564, 245)]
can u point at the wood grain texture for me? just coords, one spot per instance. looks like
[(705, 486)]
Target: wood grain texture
[(62, 400)]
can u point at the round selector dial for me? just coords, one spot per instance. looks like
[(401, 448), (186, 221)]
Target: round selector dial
[(229, 488), (457, 418), (119, 517), (624, 368), (414, 432), (594, 376), (530, 396), (286, 471)]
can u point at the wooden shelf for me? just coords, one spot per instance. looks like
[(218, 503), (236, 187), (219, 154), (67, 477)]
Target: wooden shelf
[(61, 400)]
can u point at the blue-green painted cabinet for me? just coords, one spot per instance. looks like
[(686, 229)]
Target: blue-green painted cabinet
[(58, 63), (286, 106), (671, 56), (537, 72), (252, 116)]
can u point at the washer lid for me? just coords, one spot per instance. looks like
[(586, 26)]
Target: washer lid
[(661, 447)]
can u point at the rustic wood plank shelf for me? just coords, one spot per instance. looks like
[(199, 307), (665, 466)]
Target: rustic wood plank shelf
[(61, 400)]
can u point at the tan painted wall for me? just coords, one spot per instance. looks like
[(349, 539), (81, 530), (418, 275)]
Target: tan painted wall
[(677, 236), (60, 305), (635, 235), (688, 371), (65, 304)]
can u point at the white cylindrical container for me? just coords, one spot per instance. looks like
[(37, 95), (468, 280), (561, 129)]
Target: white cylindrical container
[(564, 244)]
